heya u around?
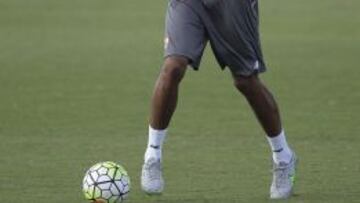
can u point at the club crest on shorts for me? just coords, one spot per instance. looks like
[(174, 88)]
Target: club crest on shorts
[(166, 42)]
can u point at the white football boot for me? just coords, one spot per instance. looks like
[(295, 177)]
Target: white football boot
[(283, 179), (152, 181)]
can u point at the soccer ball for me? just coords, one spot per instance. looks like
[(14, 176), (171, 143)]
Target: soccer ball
[(106, 182)]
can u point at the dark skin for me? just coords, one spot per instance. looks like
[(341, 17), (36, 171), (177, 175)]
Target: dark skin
[(262, 103), (166, 90)]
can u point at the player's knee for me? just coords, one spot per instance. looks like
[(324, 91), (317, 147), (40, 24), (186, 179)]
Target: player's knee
[(246, 84), (174, 69)]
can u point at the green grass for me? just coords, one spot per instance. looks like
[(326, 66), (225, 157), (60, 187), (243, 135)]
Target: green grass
[(76, 79)]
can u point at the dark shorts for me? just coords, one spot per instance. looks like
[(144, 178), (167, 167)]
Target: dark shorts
[(231, 27)]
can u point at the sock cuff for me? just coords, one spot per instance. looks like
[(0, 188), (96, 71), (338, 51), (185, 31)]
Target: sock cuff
[(280, 135), (156, 137), (158, 132), (277, 142)]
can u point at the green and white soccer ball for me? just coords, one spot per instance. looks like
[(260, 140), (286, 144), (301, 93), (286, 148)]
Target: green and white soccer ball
[(106, 182)]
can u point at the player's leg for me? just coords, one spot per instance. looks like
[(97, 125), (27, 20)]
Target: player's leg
[(261, 101), (267, 112), (236, 43), (165, 94), (184, 43), (163, 103), (234, 36)]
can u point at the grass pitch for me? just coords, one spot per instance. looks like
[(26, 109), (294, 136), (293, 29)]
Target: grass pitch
[(75, 83)]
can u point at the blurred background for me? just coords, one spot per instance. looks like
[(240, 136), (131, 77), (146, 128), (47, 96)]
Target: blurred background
[(76, 79)]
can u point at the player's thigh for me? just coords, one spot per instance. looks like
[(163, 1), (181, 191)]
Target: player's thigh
[(234, 35), (184, 32)]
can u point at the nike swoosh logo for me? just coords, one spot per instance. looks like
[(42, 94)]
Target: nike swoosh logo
[(155, 146), (279, 150)]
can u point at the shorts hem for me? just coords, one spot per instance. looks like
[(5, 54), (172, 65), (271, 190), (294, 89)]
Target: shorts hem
[(247, 73), (192, 61)]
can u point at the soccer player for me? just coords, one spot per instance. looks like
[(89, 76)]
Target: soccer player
[(231, 27)]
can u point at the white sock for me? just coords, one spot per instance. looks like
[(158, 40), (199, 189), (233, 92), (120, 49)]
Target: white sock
[(155, 142), (280, 148)]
